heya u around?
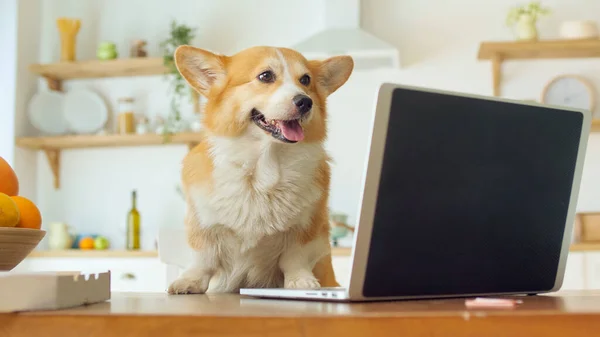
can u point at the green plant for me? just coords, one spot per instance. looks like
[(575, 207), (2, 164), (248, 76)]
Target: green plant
[(533, 9), (180, 34)]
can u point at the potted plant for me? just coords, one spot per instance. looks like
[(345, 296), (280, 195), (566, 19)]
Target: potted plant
[(524, 19), (180, 34)]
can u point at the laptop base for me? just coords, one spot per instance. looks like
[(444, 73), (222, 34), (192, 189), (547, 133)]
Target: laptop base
[(337, 294)]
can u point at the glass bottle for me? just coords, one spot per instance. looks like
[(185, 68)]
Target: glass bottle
[(133, 224)]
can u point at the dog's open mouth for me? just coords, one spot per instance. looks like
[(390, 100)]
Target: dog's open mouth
[(289, 131)]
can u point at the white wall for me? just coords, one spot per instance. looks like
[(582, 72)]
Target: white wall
[(96, 183), (438, 43), (8, 67), (439, 40), (28, 28)]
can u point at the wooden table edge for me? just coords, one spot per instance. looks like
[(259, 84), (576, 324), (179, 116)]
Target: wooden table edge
[(531, 325)]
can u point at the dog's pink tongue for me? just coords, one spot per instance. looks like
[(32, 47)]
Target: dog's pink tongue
[(292, 130)]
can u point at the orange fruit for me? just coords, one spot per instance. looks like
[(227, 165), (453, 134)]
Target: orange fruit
[(86, 243), (9, 184), (30, 214), (9, 212)]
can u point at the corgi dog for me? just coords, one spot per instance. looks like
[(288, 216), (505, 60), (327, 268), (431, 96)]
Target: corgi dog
[(257, 184)]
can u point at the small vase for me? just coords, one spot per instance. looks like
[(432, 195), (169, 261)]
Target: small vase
[(68, 29), (106, 51), (59, 236), (526, 29)]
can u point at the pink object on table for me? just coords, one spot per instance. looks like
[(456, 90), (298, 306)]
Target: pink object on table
[(481, 302)]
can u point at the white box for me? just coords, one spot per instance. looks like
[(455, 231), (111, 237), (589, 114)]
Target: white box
[(51, 290)]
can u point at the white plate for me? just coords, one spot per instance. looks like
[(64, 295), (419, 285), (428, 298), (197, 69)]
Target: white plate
[(46, 112), (84, 111)]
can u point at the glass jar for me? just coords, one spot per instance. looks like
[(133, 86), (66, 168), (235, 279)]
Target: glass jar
[(142, 125), (126, 116)]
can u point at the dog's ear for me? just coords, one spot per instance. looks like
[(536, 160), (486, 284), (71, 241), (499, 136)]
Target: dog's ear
[(333, 72), (200, 68)]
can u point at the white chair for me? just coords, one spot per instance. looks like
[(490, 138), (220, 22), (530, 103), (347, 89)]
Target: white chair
[(174, 251)]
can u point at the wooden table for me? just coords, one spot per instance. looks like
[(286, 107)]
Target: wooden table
[(133, 314)]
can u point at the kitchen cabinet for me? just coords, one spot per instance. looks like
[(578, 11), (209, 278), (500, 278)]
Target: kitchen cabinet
[(135, 274), (592, 270), (144, 274), (149, 274), (574, 272)]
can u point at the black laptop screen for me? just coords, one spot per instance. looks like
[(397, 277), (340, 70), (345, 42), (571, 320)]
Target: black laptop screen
[(473, 196)]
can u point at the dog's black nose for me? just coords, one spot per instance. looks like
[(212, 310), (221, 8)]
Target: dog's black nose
[(303, 102)]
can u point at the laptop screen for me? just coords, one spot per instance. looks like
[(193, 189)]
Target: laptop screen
[(473, 196)]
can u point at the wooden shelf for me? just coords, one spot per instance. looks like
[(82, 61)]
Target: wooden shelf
[(341, 251), (87, 141), (142, 66), (53, 145), (92, 253), (552, 49), (499, 52), (55, 73), (585, 247)]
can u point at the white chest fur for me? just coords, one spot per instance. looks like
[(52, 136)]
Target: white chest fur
[(259, 189)]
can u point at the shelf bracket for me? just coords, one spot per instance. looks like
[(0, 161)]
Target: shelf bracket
[(53, 156), (54, 84), (497, 73)]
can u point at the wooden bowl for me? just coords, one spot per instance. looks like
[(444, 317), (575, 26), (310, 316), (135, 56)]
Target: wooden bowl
[(16, 244)]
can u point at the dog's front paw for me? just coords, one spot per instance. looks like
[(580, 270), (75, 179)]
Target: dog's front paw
[(302, 283), (189, 286)]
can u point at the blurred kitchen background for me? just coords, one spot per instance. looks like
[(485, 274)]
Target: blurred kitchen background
[(83, 134)]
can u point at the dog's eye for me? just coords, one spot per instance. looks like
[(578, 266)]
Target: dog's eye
[(305, 80), (266, 77)]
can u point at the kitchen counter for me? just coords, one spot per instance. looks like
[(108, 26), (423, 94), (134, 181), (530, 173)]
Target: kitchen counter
[(575, 313), (111, 253), (335, 251)]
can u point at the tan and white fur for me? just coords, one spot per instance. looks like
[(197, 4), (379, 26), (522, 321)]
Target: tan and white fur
[(257, 185)]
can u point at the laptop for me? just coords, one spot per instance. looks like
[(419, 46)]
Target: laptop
[(463, 196)]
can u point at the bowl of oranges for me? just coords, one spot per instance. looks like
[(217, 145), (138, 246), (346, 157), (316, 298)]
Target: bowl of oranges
[(20, 221)]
